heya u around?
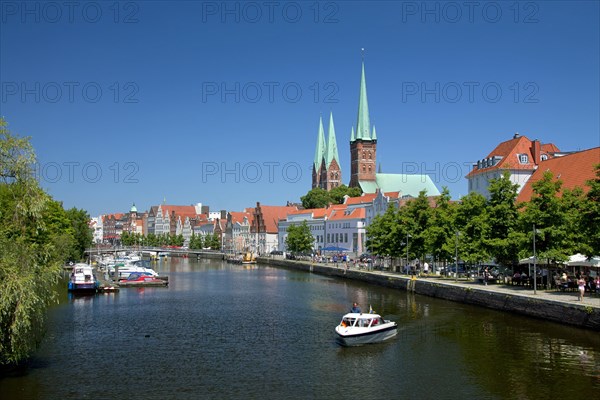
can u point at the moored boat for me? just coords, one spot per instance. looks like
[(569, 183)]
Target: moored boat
[(128, 268), (249, 258), (358, 328), (82, 279), (139, 279)]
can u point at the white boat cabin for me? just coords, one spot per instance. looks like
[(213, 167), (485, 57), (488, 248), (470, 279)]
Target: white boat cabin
[(361, 320)]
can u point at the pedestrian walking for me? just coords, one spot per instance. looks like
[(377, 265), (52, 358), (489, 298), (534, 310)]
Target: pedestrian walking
[(581, 286)]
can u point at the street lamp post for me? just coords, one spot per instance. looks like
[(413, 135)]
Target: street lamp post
[(407, 236), (456, 255), (534, 264)]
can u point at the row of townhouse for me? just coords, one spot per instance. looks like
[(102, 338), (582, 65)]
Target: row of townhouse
[(341, 227)]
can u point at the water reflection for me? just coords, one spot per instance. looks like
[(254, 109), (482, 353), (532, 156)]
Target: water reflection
[(222, 331)]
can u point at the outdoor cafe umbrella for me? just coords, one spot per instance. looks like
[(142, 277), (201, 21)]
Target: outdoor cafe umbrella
[(333, 248), (580, 260)]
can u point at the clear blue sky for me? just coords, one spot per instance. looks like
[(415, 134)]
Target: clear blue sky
[(180, 116)]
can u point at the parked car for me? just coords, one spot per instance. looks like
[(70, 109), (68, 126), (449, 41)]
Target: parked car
[(451, 269)]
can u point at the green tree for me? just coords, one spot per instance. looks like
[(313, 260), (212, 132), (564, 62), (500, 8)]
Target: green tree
[(299, 238), (416, 217), (590, 220), (29, 266), (471, 222), (546, 211), (315, 198), (196, 242), (319, 198), (503, 236), (575, 204), (82, 232), (337, 194), (385, 234), (439, 238)]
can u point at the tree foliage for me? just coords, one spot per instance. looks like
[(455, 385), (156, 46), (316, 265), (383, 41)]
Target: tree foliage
[(319, 198), (495, 229), (30, 252), (299, 238)]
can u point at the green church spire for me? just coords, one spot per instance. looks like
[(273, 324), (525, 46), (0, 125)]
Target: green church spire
[(332, 150), (352, 135), (362, 123), (374, 135), (320, 149)]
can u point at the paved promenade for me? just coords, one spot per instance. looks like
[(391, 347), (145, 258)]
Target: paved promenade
[(554, 295), (549, 304)]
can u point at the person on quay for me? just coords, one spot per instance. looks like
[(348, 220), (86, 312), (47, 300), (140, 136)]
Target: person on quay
[(581, 287)]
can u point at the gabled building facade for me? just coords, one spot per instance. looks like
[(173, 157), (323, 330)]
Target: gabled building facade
[(520, 156), (264, 227)]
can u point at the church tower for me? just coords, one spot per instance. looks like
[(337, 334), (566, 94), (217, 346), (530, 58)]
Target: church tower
[(363, 144), (332, 171), (319, 156), (327, 172)]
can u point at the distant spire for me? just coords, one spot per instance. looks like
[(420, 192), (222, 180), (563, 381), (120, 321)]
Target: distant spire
[(332, 150), (352, 135), (374, 135), (362, 122), (164, 200), (321, 146), (379, 170)]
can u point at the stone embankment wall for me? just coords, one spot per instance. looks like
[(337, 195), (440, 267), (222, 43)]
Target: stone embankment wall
[(581, 315)]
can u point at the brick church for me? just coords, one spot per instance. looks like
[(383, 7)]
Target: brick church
[(327, 172)]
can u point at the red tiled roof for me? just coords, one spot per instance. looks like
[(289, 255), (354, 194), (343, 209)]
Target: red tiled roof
[(392, 195), (356, 213), (116, 216), (238, 216), (509, 152), (574, 170), (364, 198), (272, 214), (316, 212)]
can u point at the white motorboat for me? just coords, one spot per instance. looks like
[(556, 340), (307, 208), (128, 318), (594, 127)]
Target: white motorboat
[(82, 279), (356, 329), (128, 268)]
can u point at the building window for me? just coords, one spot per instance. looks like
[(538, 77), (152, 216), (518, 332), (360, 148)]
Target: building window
[(544, 157), (345, 238), (523, 159)]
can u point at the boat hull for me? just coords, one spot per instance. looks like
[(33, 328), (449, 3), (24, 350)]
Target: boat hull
[(83, 287), (356, 339)]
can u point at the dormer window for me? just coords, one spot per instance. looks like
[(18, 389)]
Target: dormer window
[(523, 159), (544, 157)]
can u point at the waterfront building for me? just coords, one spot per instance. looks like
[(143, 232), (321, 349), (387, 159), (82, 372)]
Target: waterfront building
[(574, 170), (236, 236), (337, 226), (113, 227), (520, 156), (345, 228), (315, 219), (264, 227)]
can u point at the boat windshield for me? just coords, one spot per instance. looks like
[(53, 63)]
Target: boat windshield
[(348, 322)]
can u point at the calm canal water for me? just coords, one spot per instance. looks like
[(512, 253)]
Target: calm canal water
[(224, 331)]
